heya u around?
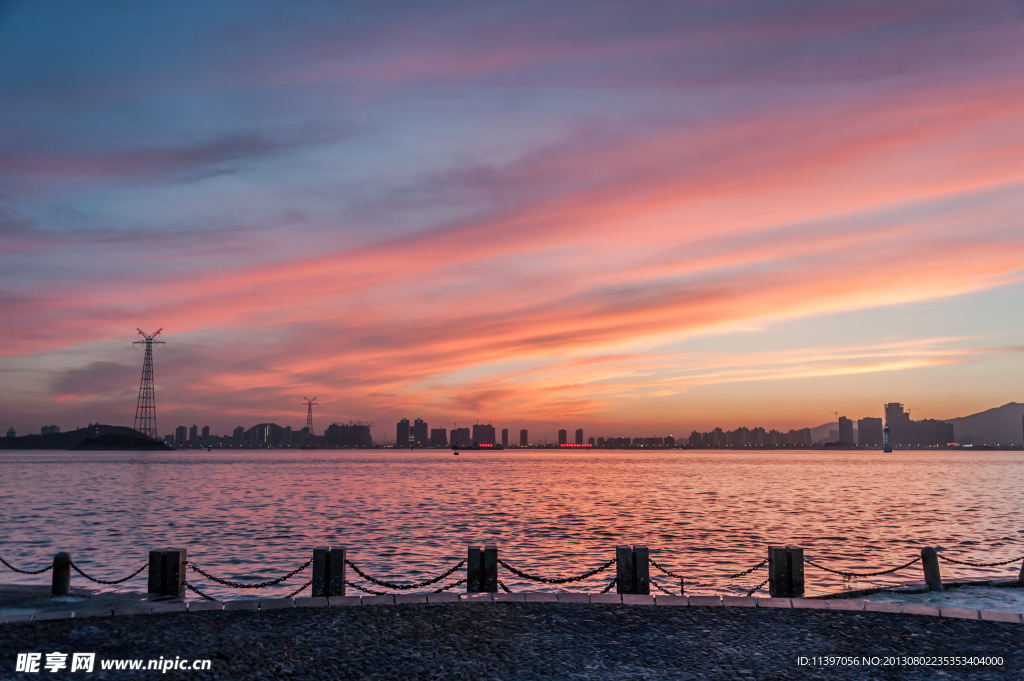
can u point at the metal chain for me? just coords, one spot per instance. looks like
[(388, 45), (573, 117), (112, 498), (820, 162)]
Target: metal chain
[(660, 587), (670, 574), (610, 585), (747, 572), (522, 574), (504, 588), (26, 572), (199, 592), (299, 590), (960, 562), (450, 586), (862, 574), (369, 591), (238, 585), (759, 586), (403, 587), (103, 581)]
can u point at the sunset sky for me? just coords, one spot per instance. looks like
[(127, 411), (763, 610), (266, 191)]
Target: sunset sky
[(637, 218)]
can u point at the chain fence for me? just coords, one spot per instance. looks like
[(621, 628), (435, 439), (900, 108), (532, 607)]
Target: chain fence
[(192, 588), (404, 587), (960, 562), (450, 586), (747, 572), (850, 575), (103, 581), (565, 580), (610, 585), (239, 585), (759, 586), (300, 589), (26, 572)]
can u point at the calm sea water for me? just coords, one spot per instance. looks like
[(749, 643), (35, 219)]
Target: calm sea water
[(404, 516)]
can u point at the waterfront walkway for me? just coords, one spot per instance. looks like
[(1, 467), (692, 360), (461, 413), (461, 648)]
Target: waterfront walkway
[(489, 640)]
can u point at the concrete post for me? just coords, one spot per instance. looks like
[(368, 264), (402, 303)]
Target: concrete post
[(336, 572), (61, 585), (156, 571), (785, 571), (930, 561), (490, 569), (174, 573), (474, 570), (624, 570), (320, 558), (632, 570), (1020, 577), (641, 570)]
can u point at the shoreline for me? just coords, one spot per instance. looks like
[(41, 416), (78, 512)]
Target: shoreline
[(504, 639)]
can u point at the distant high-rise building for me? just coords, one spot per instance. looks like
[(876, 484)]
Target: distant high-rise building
[(898, 422), (670, 441), (238, 435), (180, 436), (523, 442), (438, 437), (579, 436), (483, 434), (504, 437), (193, 435), (563, 437), (352, 434), (267, 435), (402, 434), (460, 437), (169, 439), (206, 434), (845, 431), (50, 429), (591, 442), (870, 433), (11, 433), (418, 433)]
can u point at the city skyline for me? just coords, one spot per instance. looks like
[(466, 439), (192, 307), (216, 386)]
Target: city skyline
[(654, 220)]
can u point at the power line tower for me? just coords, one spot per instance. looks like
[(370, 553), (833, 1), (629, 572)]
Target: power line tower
[(309, 419), (145, 410)]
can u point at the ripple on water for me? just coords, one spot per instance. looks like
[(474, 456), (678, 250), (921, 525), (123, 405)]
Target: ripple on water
[(405, 516)]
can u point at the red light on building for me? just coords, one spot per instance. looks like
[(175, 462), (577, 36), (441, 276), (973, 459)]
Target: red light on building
[(573, 445)]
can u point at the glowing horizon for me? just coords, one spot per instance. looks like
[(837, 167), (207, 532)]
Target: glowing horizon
[(635, 221)]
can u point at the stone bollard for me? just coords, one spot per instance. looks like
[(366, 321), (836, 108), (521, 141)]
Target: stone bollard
[(167, 572), (632, 570), (930, 561), (61, 585), (155, 585), (785, 571), (329, 571), (482, 569), (1020, 577)]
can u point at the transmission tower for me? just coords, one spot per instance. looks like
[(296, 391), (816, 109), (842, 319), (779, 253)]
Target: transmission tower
[(145, 411), (309, 419)]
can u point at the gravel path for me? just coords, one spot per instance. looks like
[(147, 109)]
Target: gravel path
[(519, 641)]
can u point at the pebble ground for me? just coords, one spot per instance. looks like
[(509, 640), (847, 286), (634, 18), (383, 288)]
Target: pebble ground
[(521, 641)]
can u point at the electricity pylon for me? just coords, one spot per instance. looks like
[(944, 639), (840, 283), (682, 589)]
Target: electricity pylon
[(145, 410), (309, 419)]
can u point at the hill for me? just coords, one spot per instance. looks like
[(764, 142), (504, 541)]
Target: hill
[(999, 426), (68, 440)]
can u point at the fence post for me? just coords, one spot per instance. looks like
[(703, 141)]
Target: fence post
[(336, 572), (490, 569), (785, 571), (930, 561), (474, 570), (174, 573), (320, 558), (156, 571), (1020, 577), (61, 585), (624, 582), (642, 570)]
